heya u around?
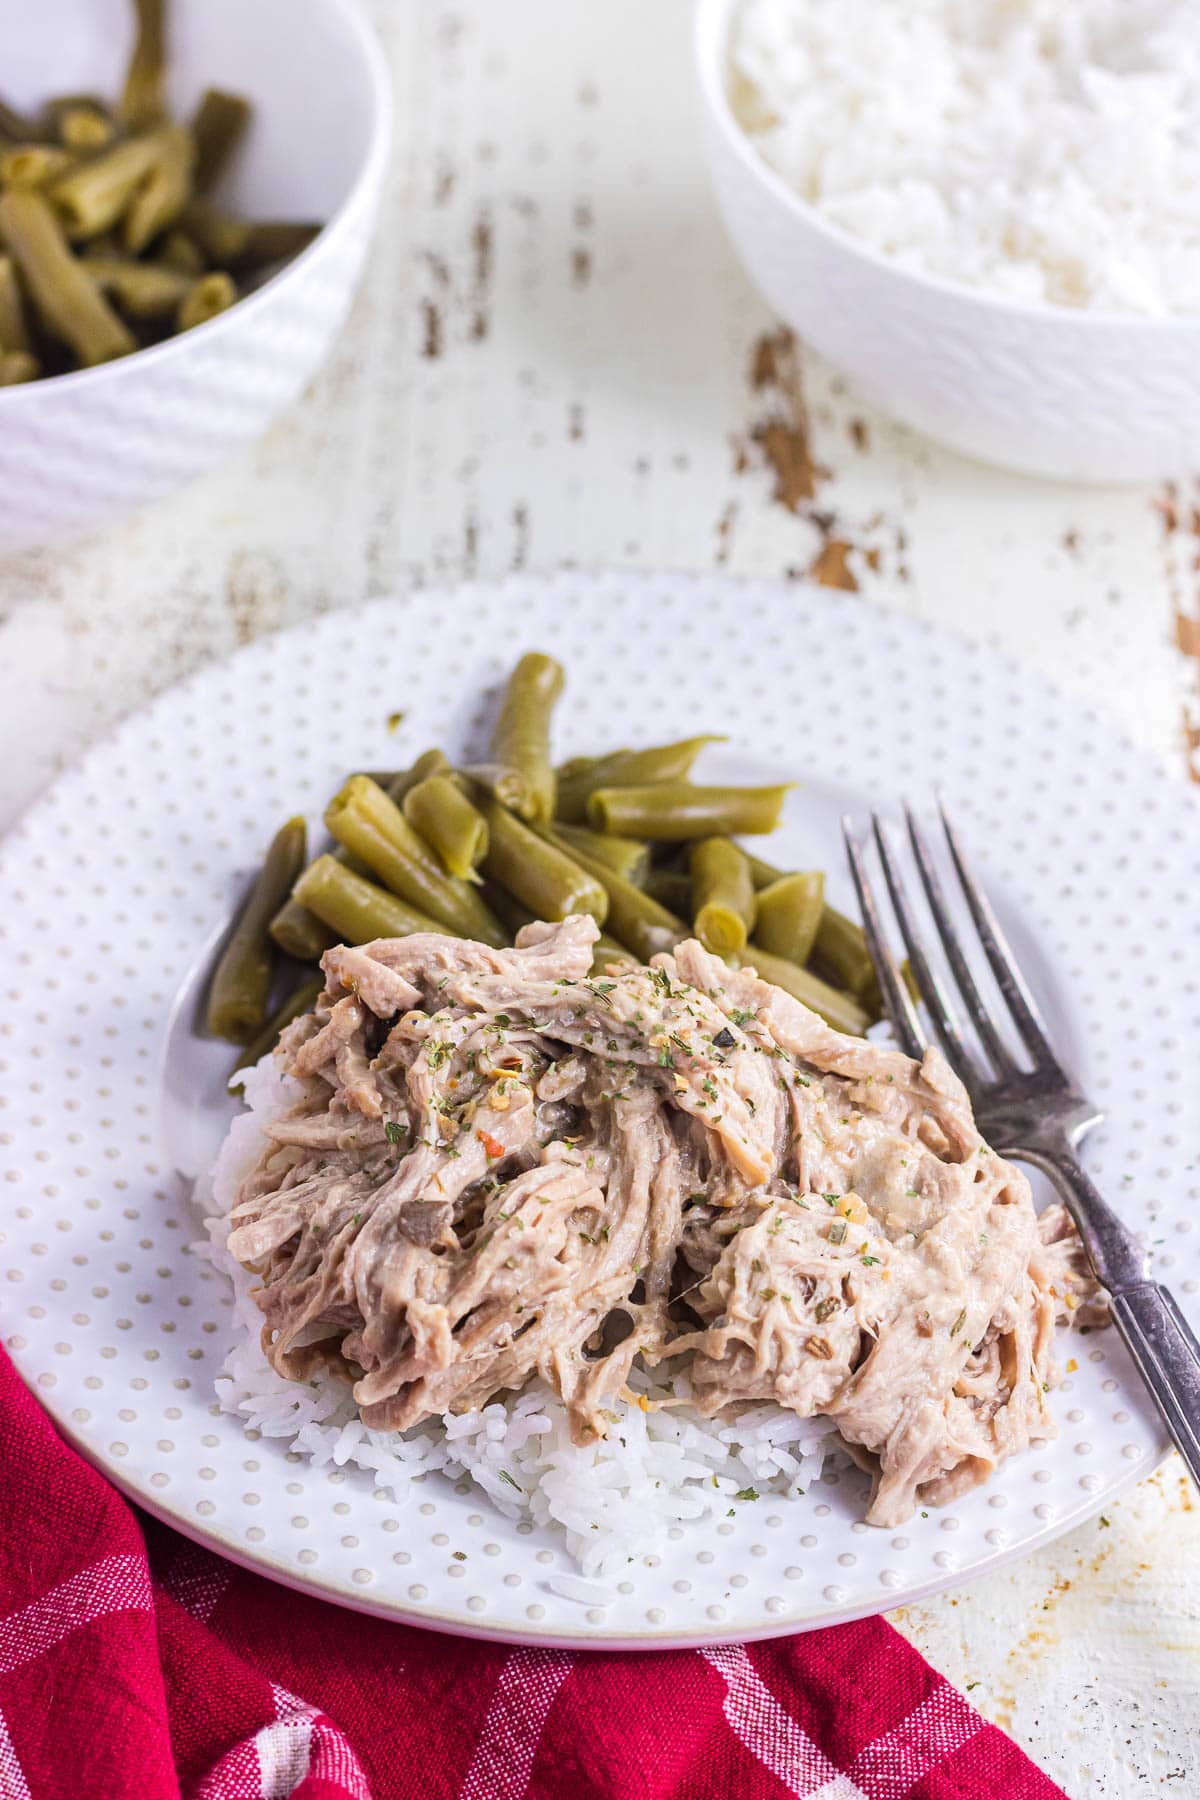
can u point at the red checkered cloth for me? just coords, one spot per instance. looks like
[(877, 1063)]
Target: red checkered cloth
[(135, 1666)]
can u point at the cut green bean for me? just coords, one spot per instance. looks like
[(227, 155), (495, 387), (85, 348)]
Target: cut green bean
[(789, 914), (162, 196), (579, 778), (83, 126), (440, 812), (240, 989), (34, 165), (371, 826), (218, 128), (672, 888), (180, 252), (65, 296), (541, 874), (142, 98), (840, 952), (674, 811), (606, 950), (18, 367), (430, 762), (355, 909), (206, 299), (142, 290), (93, 197), (15, 126), (628, 856), (634, 919), (523, 777), (301, 1000), (836, 1007), (762, 874), (511, 912), (722, 895), (14, 327), (299, 931), (270, 241), (234, 244)]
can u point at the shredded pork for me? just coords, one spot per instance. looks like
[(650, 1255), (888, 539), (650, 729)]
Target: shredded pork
[(501, 1165)]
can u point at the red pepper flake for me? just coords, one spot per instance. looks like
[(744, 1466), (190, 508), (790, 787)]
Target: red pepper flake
[(492, 1145)]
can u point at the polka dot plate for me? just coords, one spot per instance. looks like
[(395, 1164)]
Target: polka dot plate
[(114, 887)]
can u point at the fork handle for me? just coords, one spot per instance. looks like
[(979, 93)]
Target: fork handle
[(1166, 1352)]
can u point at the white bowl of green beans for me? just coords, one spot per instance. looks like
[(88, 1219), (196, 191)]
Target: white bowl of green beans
[(187, 193)]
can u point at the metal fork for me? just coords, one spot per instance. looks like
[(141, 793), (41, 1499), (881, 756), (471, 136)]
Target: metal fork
[(1033, 1112)]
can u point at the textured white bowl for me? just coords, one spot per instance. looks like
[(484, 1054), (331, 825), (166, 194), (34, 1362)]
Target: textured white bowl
[(79, 450), (1043, 390)]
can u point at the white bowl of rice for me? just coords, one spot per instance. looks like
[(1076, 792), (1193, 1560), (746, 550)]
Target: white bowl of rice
[(986, 214)]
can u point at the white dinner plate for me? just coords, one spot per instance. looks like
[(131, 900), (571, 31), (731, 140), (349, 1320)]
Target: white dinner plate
[(113, 886)]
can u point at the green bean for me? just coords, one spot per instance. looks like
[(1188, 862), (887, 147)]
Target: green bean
[(66, 297), (538, 872), (162, 196), (218, 128), (440, 812), (606, 950), (507, 908), (672, 888), (241, 984), (430, 762), (180, 252), (34, 165), (142, 99), (83, 126), (722, 895), (141, 290), (221, 238), (520, 750), (762, 874), (301, 1000), (580, 777), (579, 765), (675, 811), (18, 367), (634, 919), (299, 931), (836, 1007), (14, 328), (274, 241), (205, 299), (370, 824), (628, 856), (94, 196), (840, 952), (16, 126), (789, 913), (234, 244), (355, 909)]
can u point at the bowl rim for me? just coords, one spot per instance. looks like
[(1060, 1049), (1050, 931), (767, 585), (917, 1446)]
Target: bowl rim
[(710, 37), (370, 173)]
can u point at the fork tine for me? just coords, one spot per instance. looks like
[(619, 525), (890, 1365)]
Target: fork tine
[(928, 985), (896, 1002), (1012, 984), (973, 1000)]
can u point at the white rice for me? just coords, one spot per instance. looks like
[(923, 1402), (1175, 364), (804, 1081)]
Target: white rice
[(1048, 150), (611, 1502)]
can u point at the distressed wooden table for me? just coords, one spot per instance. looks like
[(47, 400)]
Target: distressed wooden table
[(556, 361)]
